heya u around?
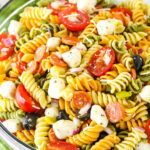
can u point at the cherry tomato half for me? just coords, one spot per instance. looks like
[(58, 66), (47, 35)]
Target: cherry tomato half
[(21, 66), (80, 99), (60, 145), (74, 19), (115, 112), (65, 5), (101, 61), (25, 101), (7, 44), (125, 11), (147, 130)]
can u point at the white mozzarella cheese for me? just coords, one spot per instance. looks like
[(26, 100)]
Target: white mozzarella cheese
[(143, 146), (87, 5), (8, 89), (56, 86), (72, 58), (13, 125), (64, 128), (53, 43), (105, 27), (52, 111), (14, 27), (145, 93), (98, 115)]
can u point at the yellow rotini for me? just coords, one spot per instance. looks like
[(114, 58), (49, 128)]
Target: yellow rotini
[(138, 16), (103, 99), (27, 58), (91, 28), (63, 48), (14, 72), (54, 19), (87, 136), (106, 38), (36, 13), (32, 45), (8, 105), (25, 135), (106, 143), (32, 87), (126, 59), (41, 133), (134, 37), (131, 141), (83, 83), (46, 64), (110, 75), (132, 4), (131, 124), (120, 82)]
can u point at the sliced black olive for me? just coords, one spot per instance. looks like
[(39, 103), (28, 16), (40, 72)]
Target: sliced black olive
[(7, 73), (51, 30), (83, 117), (62, 115), (138, 62), (29, 121)]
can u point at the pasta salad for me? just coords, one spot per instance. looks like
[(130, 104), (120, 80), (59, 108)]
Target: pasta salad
[(75, 75)]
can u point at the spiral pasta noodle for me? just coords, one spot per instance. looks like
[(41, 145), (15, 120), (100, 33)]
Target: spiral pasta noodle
[(123, 134), (8, 105), (126, 60), (19, 114), (120, 82), (138, 16), (131, 124), (87, 136), (41, 133), (107, 142), (32, 87), (83, 83), (103, 99), (25, 135), (134, 37), (131, 141), (32, 45)]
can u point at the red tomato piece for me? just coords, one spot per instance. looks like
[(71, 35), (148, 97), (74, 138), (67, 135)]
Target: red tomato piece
[(21, 66), (25, 101), (79, 21), (80, 99), (41, 53), (70, 40), (147, 130), (7, 44), (101, 61), (125, 11), (60, 145), (115, 112), (55, 60), (63, 7), (52, 136), (33, 67)]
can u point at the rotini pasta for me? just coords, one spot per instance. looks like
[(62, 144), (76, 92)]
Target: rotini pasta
[(32, 87), (138, 16)]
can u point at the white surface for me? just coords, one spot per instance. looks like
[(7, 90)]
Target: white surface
[(3, 2)]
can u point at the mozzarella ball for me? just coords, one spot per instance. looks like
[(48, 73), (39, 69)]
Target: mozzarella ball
[(14, 28), (105, 27), (53, 43), (72, 58), (8, 89), (13, 125), (56, 86), (64, 128), (52, 111), (87, 5), (98, 115), (143, 146), (81, 47), (145, 93)]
